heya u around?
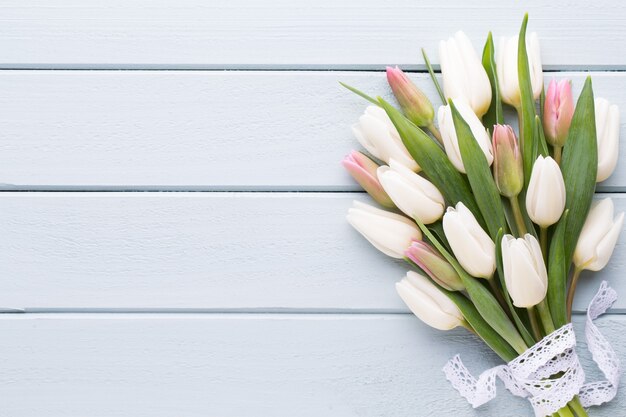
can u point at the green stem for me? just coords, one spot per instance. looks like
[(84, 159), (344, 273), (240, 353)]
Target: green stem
[(578, 407), (534, 324), (498, 294), (435, 132), (565, 412), (546, 318), (519, 217), (557, 154), (543, 241), (572, 291)]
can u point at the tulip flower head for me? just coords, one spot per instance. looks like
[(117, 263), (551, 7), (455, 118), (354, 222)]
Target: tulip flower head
[(598, 236), (472, 246), (464, 77), (416, 106), (545, 198), (525, 272), (558, 110), (450, 139), (414, 195), (607, 133), (379, 136), (428, 303), (390, 233), (363, 170), (435, 265), (508, 166), (506, 68)]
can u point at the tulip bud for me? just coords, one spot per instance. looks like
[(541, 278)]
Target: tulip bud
[(435, 265), (598, 236), (464, 77), (508, 167), (363, 170), (506, 68), (607, 133), (428, 303), (414, 103), (414, 195), (525, 272), (545, 198), (379, 136), (450, 139), (390, 233), (558, 110), (472, 246)]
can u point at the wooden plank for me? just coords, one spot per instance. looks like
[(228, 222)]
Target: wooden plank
[(197, 130), (213, 251), (247, 365), (291, 34)]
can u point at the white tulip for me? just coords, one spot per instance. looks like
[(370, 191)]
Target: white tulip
[(598, 236), (450, 139), (411, 193), (506, 68), (464, 77), (545, 198), (428, 303), (524, 270), (390, 233), (472, 246), (376, 132), (607, 132)]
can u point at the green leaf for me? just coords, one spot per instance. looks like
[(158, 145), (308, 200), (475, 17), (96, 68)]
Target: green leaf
[(484, 301), (480, 178), (494, 115), (558, 269), (437, 229), (360, 93), (579, 165), (481, 327), (433, 161), (528, 338), (432, 76), (527, 106)]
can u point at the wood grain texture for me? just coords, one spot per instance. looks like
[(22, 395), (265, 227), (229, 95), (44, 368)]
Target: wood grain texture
[(194, 130), (292, 34), (213, 251), (70, 365)]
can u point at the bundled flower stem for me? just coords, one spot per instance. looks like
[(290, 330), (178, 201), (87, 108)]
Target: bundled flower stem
[(519, 211)]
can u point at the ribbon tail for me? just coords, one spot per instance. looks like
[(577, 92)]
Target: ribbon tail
[(603, 354)]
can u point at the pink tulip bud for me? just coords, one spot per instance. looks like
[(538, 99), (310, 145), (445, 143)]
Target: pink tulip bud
[(508, 170), (414, 103), (558, 111), (435, 265), (363, 170)]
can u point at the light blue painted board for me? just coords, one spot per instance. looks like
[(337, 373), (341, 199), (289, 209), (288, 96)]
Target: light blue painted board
[(293, 34), (210, 251), (208, 130), (245, 365)]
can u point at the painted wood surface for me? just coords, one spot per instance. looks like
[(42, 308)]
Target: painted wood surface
[(200, 130), (211, 251), (293, 34), (246, 365)]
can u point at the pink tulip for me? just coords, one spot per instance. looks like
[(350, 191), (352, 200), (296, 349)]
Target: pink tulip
[(363, 170), (558, 111), (507, 161), (435, 265), (414, 103)]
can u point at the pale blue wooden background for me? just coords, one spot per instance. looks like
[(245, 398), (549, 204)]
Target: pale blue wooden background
[(173, 240)]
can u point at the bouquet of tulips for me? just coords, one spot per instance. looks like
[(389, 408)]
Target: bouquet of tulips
[(496, 226)]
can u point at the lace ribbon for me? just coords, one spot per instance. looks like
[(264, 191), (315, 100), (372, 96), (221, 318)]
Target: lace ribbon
[(528, 375)]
